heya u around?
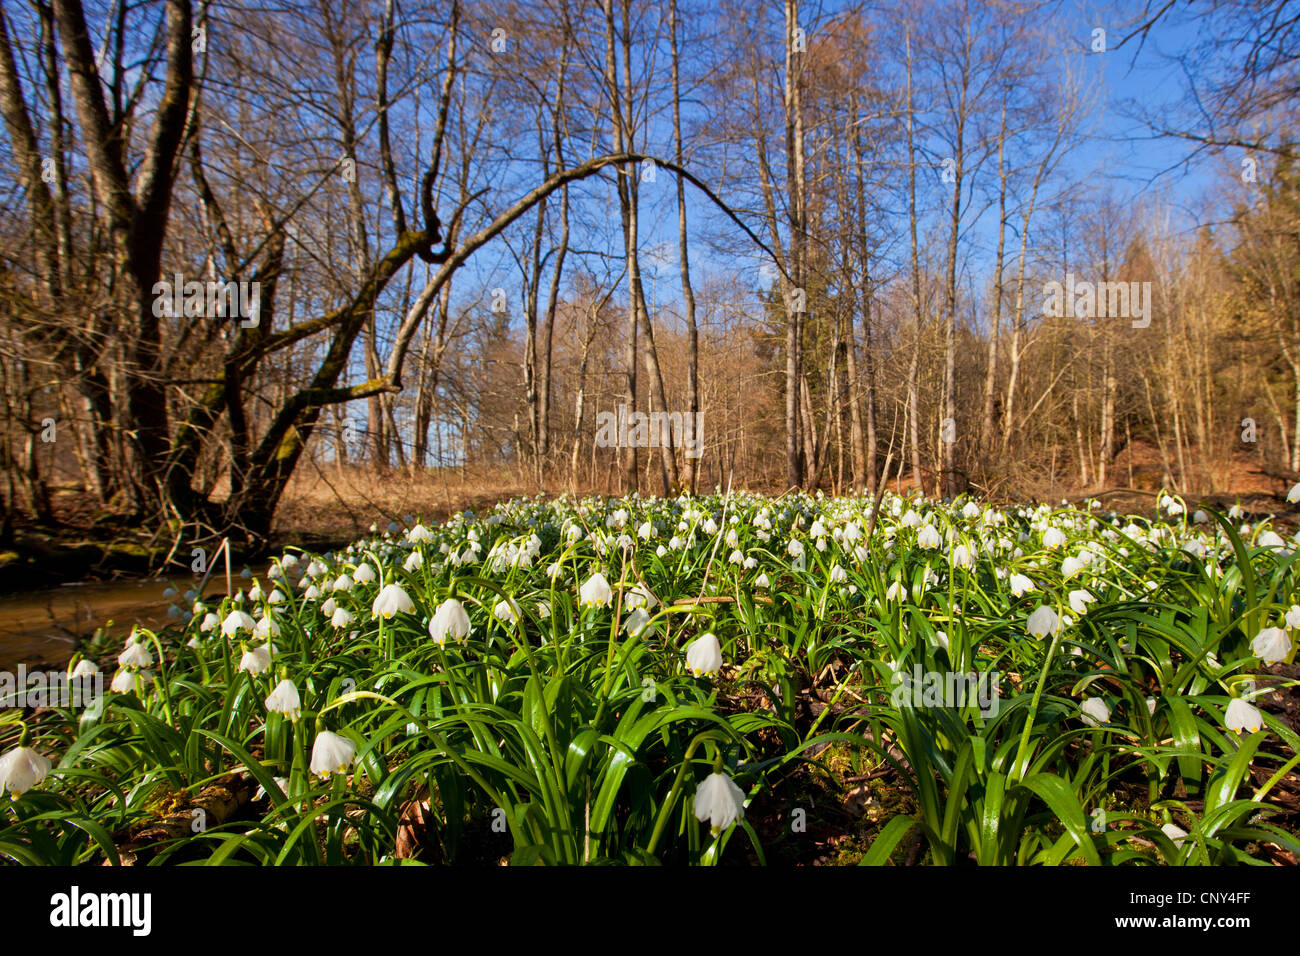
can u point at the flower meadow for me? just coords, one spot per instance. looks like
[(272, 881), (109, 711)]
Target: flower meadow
[(730, 679)]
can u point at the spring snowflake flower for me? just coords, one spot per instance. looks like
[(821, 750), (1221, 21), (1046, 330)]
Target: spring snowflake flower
[(1044, 622), (414, 561), (795, 548), (636, 622), (1054, 538), (364, 574), (392, 600), (1079, 601), (928, 537), (704, 655), (21, 769), (505, 611), (341, 617), (285, 700), (645, 531), (135, 656), (125, 681), (1094, 712), (1271, 645), (1242, 716), (84, 668), (761, 581), (595, 592), (331, 753), (720, 801), (256, 660), (449, 620), (266, 628), (963, 557), (1020, 585), (543, 609), (342, 583), (1072, 566), (419, 533), (1293, 495), (839, 575)]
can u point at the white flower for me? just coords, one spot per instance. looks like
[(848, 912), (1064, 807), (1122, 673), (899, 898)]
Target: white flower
[(894, 592), (419, 533), (331, 753), (135, 656), (1072, 566), (1094, 711), (21, 769), (124, 681), (363, 574), (505, 611), (1079, 601), (704, 655), (720, 801), (1044, 623), (235, 622), (266, 628), (941, 638), (341, 617), (392, 600), (329, 606), (1293, 617), (963, 557), (449, 620), (1020, 585), (85, 668), (595, 592), (276, 597), (1175, 833), (1271, 645), (636, 622), (257, 660), (761, 581), (414, 561), (1293, 495), (645, 531), (210, 622), (285, 700), (928, 537), (1054, 538), (839, 575), (342, 583), (1242, 716), (543, 609)]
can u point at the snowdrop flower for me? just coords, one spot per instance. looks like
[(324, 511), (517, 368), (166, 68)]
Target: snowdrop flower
[(136, 655), (1242, 716), (449, 620), (1094, 712), (21, 769), (285, 700), (1020, 585), (704, 655), (1079, 601), (331, 753), (595, 592), (719, 801), (1044, 623), (257, 660), (1271, 645), (928, 538), (341, 617), (392, 600)]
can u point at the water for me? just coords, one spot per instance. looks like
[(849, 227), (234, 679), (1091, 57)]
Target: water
[(44, 627)]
